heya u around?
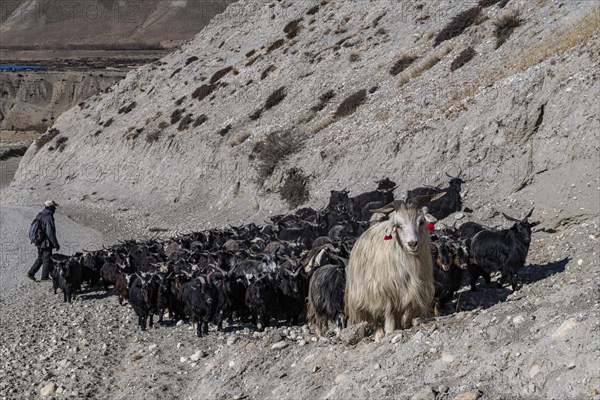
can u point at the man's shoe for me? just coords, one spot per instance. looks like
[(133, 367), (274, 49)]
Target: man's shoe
[(42, 279), (31, 277)]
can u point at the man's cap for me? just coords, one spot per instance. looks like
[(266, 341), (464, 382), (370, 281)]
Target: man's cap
[(50, 203)]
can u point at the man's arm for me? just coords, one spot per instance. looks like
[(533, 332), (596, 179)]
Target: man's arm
[(50, 230)]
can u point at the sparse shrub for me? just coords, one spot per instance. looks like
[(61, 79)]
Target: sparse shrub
[(249, 82), (266, 72), (176, 115), (153, 136), (180, 101), (275, 98), (190, 60), (313, 10), (376, 20), (225, 130), (354, 57), (504, 27), (458, 25), (294, 191), (373, 89), (200, 120), (46, 137), (108, 123), (323, 100), (250, 53), (240, 139), (292, 28), (163, 125), (252, 60), (276, 147), (127, 109), (61, 143), (98, 132), (464, 57), (351, 103), (82, 105), (275, 45), (178, 70), (256, 114), (219, 74), (185, 122), (400, 65), (203, 91)]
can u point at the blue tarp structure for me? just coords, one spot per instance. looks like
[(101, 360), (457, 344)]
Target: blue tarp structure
[(20, 67)]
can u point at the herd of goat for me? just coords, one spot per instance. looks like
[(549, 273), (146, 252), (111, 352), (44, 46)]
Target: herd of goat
[(365, 258)]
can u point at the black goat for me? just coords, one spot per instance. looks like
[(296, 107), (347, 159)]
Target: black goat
[(505, 250), (445, 205), (67, 276), (326, 298), (260, 297), (197, 295), (109, 273), (470, 229), (142, 297), (291, 291)]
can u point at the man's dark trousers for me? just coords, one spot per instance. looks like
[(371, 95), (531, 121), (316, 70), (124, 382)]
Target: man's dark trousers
[(45, 259)]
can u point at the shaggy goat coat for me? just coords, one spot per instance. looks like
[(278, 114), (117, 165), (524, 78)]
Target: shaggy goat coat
[(385, 282)]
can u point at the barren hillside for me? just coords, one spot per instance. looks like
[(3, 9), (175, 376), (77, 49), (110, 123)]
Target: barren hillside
[(331, 95)]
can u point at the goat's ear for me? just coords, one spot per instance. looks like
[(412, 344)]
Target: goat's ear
[(385, 209), (433, 248), (437, 196), (508, 217)]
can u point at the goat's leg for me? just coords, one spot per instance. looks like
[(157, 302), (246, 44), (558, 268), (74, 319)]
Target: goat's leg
[(390, 322)]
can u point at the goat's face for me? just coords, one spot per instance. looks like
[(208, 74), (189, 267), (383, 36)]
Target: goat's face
[(442, 256), (406, 224)]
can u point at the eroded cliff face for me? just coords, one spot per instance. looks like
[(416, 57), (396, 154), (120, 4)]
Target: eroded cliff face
[(344, 93), (33, 100)]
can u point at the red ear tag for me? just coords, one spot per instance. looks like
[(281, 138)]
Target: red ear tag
[(387, 237), (431, 226)]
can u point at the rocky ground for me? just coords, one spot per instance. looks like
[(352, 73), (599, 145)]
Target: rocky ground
[(539, 342)]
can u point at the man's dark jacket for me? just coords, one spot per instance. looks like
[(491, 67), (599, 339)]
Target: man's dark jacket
[(46, 217)]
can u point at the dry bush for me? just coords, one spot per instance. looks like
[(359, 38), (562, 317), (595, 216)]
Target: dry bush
[(458, 25), (275, 45), (190, 60), (295, 191), (225, 130), (240, 139), (250, 53), (424, 65), (323, 100), (200, 120), (292, 28), (252, 60), (61, 143), (504, 27), (203, 91), (267, 71), (176, 115), (180, 101), (351, 103), (163, 125), (127, 109), (376, 20), (108, 123), (185, 122), (400, 65), (354, 57), (275, 98), (276, 147), (46, 137), (219, 74), (313, 10), (98, 132), (464, 57), (178, 70), (256, 114), (153, 136)]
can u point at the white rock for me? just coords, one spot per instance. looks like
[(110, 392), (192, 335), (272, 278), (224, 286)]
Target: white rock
[(197, 355), (302, 343), (447, 357), (231, 340), (518, 319), (280, 345), (579, 262), (535, 369), (459, 216), (564, 329), (152, 347), (183, 359), (48, 389), (179, 323), (396, 338), (341, 378), (231, 364)]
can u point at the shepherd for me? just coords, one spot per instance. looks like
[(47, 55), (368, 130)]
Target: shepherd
[(42, 233)]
